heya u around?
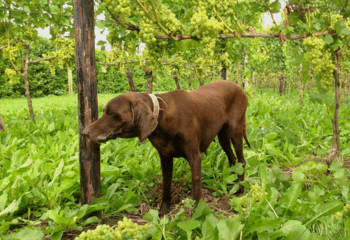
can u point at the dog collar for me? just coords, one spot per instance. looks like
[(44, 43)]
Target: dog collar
[(155, 105)]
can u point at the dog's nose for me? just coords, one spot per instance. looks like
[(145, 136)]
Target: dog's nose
[(85, 131)]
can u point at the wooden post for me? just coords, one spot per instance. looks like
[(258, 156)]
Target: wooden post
[(89, 151), (129, 77), (176, 81), (335, 149), (301, 92), (70, 81), (346, 90), (149, 76), (25, 76), (199, 80), (2, 124)]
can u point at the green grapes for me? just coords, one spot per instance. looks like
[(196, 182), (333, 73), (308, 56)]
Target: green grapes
[(224, 59), (321, 59), (200, 65), (206, 29), (12, 75), (117, 55), (253, 196), (338, 215), (126, 229), (118, 8), (178, 64), (64, 55)]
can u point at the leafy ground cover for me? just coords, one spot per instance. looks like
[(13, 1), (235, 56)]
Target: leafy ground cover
[(287, 193)]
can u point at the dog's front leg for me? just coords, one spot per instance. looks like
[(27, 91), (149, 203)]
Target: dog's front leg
[(195, 161), (167, 170)]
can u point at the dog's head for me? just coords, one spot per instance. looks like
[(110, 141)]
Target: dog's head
[(125, 116)]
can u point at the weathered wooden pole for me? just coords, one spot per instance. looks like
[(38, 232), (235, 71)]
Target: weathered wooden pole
[(2, 124), (176, 81), (334, 153), (129, 77), (89, 151)]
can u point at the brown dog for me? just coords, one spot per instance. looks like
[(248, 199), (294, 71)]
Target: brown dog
[(187, 124)]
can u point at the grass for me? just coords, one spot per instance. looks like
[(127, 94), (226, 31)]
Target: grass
[(39, 172)]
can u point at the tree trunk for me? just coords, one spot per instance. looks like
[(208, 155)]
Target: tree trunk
[(281, 86), (301, 92), (25, 76), (199, 80), (223, 72), (346, 89), (149, 86), (335, 150), (129, 77), (176, 81), (89, 151), (2, 124), (70, 81), (190, 84), (254, 84)]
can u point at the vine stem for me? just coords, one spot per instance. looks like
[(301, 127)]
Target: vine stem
[(14, 66), (217, 14), (156, 20), (273, 19)]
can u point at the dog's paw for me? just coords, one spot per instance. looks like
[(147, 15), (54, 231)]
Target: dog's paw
[(164, 210)]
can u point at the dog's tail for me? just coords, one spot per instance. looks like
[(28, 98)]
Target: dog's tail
[(245, 133)]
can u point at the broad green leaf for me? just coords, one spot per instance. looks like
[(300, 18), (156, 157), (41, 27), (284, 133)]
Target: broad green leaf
[(57, 172), (54, 9), (90, 220), (207, 230), (201, 210), (56, 218), (328, 39), (151, 216), (12, 207), (122, 208), (229, 228), (188, 226), (26, 234), (3, 200), (291, 196), (266, 225), (347, 224), (326, 209), (111, 190), (290, 227), (275, 6), (57, 235)]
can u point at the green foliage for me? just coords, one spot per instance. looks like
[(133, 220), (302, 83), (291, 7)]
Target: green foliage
[(39, 174)]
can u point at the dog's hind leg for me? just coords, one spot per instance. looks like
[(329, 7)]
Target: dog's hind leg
[(237, 141), (224, 140)]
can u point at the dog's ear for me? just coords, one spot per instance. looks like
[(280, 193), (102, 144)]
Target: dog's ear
[(143, 119)]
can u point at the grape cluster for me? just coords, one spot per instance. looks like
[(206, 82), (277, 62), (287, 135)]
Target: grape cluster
[(118, 8), (12, 75), (321, 59), (178, 64), (338, 215), (64, 55), (225, 9), (169, 20), (200, 65), (126, 229), (224, 59), (253, 196), (206, 29), (117, 55)]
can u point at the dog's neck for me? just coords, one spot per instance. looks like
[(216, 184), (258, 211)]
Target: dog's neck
[(155, 105)]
